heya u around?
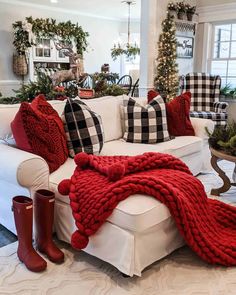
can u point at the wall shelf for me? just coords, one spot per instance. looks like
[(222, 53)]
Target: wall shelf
[(185, 26), (44, 57)]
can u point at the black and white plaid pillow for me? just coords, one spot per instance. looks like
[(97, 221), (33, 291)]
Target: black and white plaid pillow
[(145, 124), (83, 128)]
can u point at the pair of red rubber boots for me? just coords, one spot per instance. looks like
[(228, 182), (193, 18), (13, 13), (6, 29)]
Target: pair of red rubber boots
[(44, 214)]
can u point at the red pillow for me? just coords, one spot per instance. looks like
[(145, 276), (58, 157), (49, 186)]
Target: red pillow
[(177, 111), (151, 95), (38, 129), (178, 119)]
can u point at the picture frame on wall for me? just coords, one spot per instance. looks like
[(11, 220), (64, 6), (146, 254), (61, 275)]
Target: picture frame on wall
[(185, 47)]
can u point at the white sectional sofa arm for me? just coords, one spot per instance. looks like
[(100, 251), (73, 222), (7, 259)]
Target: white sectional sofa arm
[(22, 168), (200, 126)]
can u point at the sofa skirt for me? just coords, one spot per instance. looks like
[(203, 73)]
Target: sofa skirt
[(130, 252)]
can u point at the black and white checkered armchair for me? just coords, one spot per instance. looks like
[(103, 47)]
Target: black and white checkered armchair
[(205, 90)]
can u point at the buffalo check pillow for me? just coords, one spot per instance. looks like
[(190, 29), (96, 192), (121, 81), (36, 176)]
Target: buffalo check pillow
[(145, 124), (83, 127)]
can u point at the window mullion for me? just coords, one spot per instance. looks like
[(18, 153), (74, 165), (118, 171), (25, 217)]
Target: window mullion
[(230, 45)]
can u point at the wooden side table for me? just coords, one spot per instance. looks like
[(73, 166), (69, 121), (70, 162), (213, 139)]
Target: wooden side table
[(215, 156)]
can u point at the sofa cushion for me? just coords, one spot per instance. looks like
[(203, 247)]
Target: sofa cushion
[(180, 147), (136, 213), (40, 132), (84, 130), (108, 107), (145, 124)]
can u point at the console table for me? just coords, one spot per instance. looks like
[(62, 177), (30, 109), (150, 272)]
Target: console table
[(220, 155)]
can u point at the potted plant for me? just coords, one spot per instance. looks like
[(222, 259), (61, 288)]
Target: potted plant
[(190, 11), (224, 138), (227, 93), (181, 9), (224, 92), (172, 8)]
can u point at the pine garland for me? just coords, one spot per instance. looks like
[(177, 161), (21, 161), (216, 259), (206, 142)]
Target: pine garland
[(43, 85), (166, 80), (48, 28)]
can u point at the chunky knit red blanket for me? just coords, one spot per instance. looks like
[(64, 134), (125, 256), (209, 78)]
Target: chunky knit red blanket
[(100, 183)]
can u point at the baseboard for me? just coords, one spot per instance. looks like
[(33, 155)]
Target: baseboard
[(10, 82)]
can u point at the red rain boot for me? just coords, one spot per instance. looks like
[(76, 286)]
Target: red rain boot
[(23, 215), (44, 214)]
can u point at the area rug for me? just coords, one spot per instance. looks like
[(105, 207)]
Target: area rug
[(181, 273)]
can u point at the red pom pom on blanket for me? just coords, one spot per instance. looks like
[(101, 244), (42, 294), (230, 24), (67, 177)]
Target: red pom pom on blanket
[(79, 241), (64, 187), (82, 160), (116, 172)]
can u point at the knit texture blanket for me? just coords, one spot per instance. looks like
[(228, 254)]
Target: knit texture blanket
[(99, 183)]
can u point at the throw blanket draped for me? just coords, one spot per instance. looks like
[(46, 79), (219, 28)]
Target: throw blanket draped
[(99, 183)]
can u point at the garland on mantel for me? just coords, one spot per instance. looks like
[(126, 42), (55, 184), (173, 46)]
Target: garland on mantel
[(27, 31)]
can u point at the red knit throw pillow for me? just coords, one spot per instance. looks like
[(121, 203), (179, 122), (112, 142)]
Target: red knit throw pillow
[(151, 95), (38, 129), (177, 111), (178, 119)]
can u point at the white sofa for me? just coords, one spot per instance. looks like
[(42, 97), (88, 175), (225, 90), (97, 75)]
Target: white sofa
[(140, 231)]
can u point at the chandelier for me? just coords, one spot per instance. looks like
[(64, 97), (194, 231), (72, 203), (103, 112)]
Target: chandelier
[(129, 50)]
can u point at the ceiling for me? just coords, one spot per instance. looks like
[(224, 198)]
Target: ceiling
[(113, 9)]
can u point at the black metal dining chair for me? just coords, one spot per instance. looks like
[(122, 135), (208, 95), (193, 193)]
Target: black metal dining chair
[(88, 82), (135, 89), (126, 83)]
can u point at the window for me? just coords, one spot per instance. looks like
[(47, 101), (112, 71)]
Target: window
[(223, 60), (43, 48)]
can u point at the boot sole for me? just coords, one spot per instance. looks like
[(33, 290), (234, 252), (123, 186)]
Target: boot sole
[(39, 269)]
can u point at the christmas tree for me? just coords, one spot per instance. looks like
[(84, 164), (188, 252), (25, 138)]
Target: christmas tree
[(166, 80)]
